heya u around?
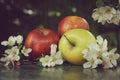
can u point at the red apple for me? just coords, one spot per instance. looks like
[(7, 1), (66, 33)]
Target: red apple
[(71, 22), (39, 40)]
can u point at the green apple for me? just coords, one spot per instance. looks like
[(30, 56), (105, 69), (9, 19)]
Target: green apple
[(73, 42)]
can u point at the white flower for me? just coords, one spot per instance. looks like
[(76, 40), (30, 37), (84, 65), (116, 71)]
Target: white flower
[(11, 56), (47, 61), (102, 43), (103, 14), (98, 53), (90, 52), (93, 63), (8, 51), (91, 55), (113, 56), (55, 58), (14, 50), (19, 39), (11, 41), (116, 18), (26, 51), (13, 53), (107, 64)]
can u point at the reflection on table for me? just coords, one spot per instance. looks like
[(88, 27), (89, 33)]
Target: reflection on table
[(29, 71)]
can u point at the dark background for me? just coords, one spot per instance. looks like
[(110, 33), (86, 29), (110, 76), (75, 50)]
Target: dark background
[(22, 16)]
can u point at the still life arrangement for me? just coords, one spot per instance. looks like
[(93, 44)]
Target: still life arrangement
[(73, 43)]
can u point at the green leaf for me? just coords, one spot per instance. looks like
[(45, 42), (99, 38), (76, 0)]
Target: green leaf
[(99, 3), (39, 63)]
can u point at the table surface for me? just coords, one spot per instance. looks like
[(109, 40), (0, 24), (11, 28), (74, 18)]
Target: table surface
[(30, 71)]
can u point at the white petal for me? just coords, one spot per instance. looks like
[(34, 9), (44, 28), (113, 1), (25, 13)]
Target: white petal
[(117, 56), (44, 64), (95, 16), (4, 43), (41, 59), (26, 51), (11, 41), (104, 47), (107, 64), (14, 50), (85, 52), (53, 48), (99, 39), (17, 58), (87, 65), (114, 62), (113, 50), (19, 39), (59, 62), (7, 51)]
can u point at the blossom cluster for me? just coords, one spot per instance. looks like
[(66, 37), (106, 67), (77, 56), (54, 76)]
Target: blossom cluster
[(14, 50), (55, 57), (106, 14), (98, 54)]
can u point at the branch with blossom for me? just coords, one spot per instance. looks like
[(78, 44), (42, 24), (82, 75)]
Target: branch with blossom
[(98, 54), (107, 13), (15, 50)]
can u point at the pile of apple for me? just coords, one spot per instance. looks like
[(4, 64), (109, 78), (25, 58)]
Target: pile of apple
[(72, 37)]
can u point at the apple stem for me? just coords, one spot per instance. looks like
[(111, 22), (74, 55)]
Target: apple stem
[(69, 40), (39, 31)]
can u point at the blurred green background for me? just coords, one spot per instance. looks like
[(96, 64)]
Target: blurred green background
[(22, 16)]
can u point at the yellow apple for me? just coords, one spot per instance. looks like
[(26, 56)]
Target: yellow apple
[(73, 42)]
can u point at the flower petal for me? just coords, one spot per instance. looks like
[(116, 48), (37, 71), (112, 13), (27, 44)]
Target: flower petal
[(87, 65)]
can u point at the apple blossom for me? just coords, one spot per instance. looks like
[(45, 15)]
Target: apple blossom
[(113, 56), (13, 50), (106, 60), (103, 14), (91, 51), (91, 56), (93, 63), (26, 51), (12, 54), (55, 58), (56, 55), (11, 41), (10, 58), (47, 61), (98, 53), (102, 43), (19, 39), (116, 18)]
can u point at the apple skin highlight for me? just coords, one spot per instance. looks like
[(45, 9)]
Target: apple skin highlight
[(80, 39)]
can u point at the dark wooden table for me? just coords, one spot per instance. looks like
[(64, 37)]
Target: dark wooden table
[(30, 71)]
